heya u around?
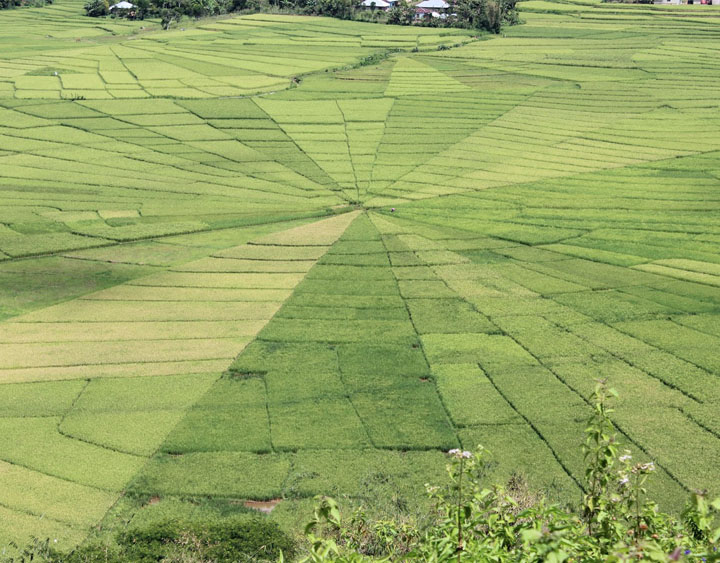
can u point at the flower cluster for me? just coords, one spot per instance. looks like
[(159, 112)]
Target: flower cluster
[(644, 467), (460, 454)]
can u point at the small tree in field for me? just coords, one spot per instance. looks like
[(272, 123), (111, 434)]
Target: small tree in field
[(401, 14), (97, 8)]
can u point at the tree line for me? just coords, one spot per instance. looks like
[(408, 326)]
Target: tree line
[(4, 4), (484, 15)]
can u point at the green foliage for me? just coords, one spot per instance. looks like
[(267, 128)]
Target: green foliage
[(15, 3), (485, 15), (342, 9), (402, 13), (172, 11), (229, 540), (600, 451), (97, 8), (480, 14), (331, 538)]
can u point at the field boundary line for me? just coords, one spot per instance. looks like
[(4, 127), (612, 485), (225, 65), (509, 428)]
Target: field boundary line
[(534, 428), (352, 403)]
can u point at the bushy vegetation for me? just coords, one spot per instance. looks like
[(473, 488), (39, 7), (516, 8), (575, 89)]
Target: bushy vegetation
[(169, 11), (486, 15), (25, 3), (248, 539)]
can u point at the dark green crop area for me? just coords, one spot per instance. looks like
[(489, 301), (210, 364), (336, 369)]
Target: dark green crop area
[(237, 265)]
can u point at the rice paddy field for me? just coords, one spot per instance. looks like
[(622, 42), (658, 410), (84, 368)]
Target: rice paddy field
[(236, 264)]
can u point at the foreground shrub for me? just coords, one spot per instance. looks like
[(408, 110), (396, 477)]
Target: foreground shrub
[(229, 540)]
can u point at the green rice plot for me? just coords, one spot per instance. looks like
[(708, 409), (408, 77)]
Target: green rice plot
[(136, 432), (659, 443), (231, 416), (448, 316), (45, 449), (487, 349), (696, 347), (540, 397), (352, 471), (547, 341), (261, 356), (516, 450), (234, 474), (59, 500), (132, 415), (39, 399), (612, 306), (22, 527), (237, 428), (142, 394), (470, 397), (315, 424)]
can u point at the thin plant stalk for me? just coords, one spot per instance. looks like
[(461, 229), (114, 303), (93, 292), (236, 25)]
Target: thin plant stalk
[(459, 511)]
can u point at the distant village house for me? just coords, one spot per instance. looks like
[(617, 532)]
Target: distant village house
[(376, 5), (432, 9), (680, 2), (123, 9)]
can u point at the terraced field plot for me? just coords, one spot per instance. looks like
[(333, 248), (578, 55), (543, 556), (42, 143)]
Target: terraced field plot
[(217, 287)]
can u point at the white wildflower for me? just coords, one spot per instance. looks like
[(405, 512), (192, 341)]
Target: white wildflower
[(644, 467)]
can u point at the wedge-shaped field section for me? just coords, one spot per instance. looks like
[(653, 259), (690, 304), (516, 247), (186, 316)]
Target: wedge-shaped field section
[(92, 387), (340, 136), (517, 336)]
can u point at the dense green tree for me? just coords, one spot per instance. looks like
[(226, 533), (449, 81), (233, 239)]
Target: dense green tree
[(487, 15), (96, 8), (479, 14), (142, 8), (14, 3), (401, 14), (342, 9)]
